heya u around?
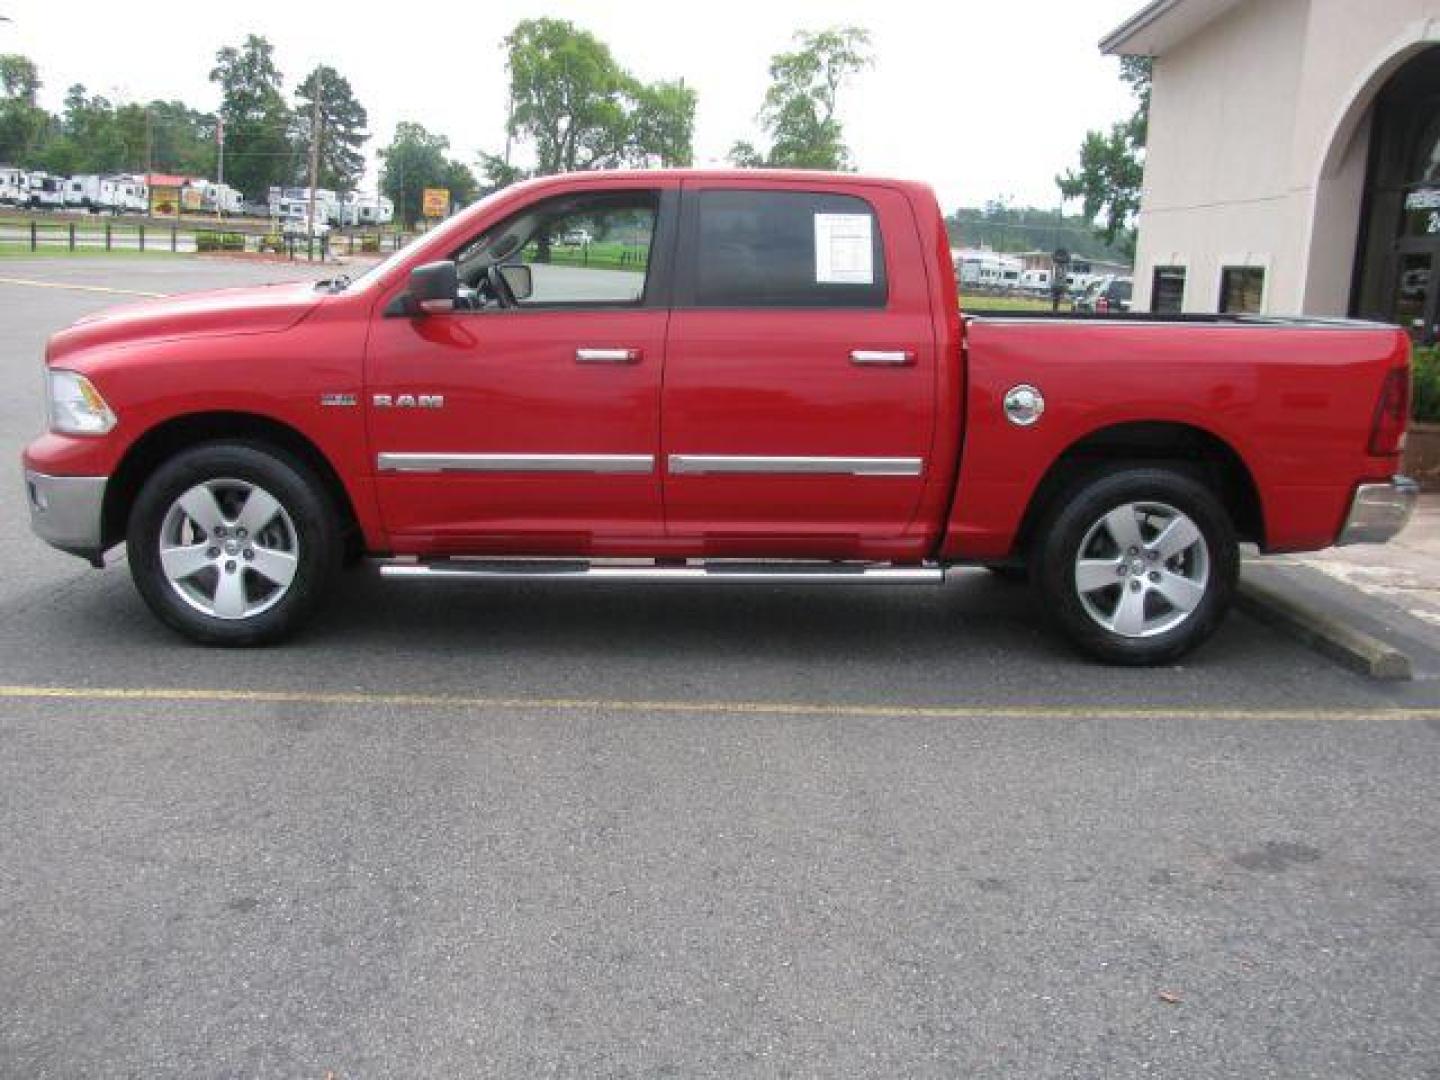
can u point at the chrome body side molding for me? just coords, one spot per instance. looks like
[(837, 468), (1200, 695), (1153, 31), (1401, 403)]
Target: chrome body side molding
[(739, 464), (523, 463)]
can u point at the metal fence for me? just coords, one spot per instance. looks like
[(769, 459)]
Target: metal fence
[(82, 236)]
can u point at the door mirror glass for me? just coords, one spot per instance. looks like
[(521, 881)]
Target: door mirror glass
[(434, 287), (520, 280)]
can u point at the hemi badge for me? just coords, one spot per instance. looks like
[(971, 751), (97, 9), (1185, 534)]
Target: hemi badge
[(337, 399)]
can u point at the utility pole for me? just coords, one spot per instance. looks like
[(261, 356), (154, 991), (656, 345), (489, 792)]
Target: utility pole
[(149, 141), (314, 148), (509, 123)]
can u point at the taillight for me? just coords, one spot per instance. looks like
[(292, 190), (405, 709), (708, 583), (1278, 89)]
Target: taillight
[(1392, 411)]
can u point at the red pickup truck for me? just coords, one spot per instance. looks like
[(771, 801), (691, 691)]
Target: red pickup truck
[(706, 376)]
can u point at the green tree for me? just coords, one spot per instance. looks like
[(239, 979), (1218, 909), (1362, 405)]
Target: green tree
[(23, 124), (461, 183), (497, 173), (181, 139), (415, 160), (342, 129), (19, 78), (258, 147), (663, 122), (90, 138), (1112, 165), (579, 109), (799, 113)]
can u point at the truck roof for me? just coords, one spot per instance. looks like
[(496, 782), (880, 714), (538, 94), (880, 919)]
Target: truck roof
[(793, 176)]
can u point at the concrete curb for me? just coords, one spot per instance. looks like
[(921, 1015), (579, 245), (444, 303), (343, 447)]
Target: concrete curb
[(1323, 632)]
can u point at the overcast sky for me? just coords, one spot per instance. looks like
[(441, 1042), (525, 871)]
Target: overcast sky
[(983, 99)]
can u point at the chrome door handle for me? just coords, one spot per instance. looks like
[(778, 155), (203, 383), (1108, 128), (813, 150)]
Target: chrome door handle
[(607, 356), (882, 357)]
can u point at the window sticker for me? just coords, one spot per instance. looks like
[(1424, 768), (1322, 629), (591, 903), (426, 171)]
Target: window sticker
[(844, 252)]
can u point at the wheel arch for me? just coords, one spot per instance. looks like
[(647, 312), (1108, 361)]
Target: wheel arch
[(1198, 452), (179, 433)]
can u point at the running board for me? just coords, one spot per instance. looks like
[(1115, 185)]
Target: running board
[(724, 570)]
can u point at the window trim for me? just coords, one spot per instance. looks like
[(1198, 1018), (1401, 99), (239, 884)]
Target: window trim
[(688, 241), (1155, 269), (659, 278)]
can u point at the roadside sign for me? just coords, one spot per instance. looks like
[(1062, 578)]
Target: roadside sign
[(436, 202)]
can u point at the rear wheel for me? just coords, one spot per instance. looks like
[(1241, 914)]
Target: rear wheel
[(1138, 567), (232, 543)]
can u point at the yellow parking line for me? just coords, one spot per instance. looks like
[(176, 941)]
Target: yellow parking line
[(723, 708), (75, 287)]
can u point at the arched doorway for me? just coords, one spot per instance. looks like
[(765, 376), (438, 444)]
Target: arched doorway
[(1397, 275)]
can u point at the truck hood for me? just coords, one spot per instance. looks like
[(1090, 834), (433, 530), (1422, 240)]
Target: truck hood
[(264, 309)]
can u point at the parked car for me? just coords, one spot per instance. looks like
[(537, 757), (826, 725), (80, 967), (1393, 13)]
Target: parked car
[(1109, 294), (781, 394), (1114, 296)]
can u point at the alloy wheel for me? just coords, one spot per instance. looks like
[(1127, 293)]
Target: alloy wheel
[(229, 549), (1142, 569)]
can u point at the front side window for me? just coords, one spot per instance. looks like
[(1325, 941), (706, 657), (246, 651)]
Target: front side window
[(777, 249), (586, 249), (1242, 290)]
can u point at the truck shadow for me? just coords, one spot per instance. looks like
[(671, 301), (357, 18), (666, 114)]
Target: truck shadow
[(973, 617), (974, 638)]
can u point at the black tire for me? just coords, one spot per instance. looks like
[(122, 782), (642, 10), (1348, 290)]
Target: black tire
[(1075, 517), (311, 519)]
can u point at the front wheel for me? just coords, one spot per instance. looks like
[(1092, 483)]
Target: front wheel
[(232, 543), (1138, 567)]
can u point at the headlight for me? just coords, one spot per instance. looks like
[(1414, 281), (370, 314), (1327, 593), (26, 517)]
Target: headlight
[(76, 407)]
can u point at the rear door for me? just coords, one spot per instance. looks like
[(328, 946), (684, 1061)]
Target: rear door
[(798, 407)]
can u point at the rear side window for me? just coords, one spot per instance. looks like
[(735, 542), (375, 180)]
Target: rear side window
[(779, 249)]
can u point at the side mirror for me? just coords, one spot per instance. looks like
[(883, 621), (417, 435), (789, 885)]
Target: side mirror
[(518, 277), (434, 287)]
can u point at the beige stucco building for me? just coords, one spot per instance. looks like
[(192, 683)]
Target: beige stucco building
[(1294, 157)]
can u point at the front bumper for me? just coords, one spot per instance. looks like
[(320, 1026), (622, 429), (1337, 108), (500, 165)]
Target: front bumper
[(1379, 511), (66, 512)]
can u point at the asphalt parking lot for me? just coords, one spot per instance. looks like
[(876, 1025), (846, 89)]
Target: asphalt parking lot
[(522, 831)]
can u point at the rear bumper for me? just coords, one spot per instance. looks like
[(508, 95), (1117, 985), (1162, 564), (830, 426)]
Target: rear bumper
[(66, 511), (1379, 511)]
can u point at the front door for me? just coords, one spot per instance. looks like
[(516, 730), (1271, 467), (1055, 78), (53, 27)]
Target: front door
[(530, 424), (800, 375)]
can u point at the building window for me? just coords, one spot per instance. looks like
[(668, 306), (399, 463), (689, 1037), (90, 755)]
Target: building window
[(1242, 288), (1167, 291)]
